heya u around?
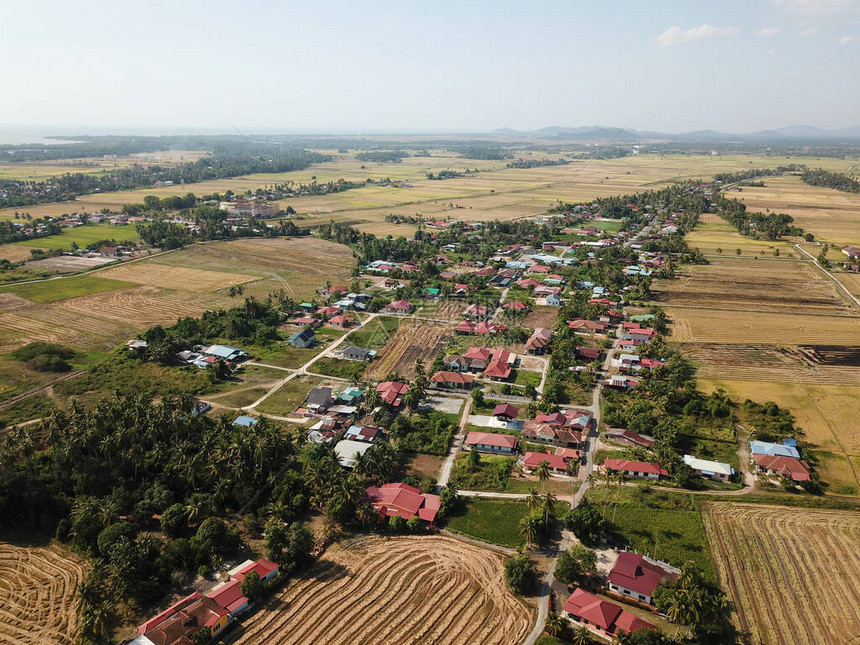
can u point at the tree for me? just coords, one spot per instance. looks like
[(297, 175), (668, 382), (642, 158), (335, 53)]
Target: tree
[(397, 523), (252, 587), (548, 501), (581, 636), (474, 459), (112, 534), (173, 521), (587, 523), (276, 542), (542, 472), (530, 527), (520, 574), (738, 251), (449, 500), (555, 624)]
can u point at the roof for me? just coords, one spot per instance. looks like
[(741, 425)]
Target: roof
[(443, 376), (708, 466), (481, 353), (400, 305), (466, 326), (773, 449), (262, 567), (224, 351), (347, 449), (183, 619), (632, 437), (245, 421), (632, 571), (498, 369), (229, 594), (635, 466), (404, 501), (391, 391), (534, 459), (791, 467), (491, 439), (606, 615), (319, 396), (506, 409)]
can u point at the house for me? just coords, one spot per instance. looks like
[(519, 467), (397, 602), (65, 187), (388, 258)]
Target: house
[(353, 353), (557, 463), (229, 596), (303, 339), (368, 434), (635, 469), (266, 569), (224, 352), (341, 321), (400, 307), (177, 624), (603, 617), (456, 363), (630, 438), (466, 328), (588, 353), (245, 421), (391, 392), (516, 307), (536, 431), (582, 326), (488, 328), (319, 399), (793, 468), (553, 300), (402, 500), (501, 444), (773, 449), (539, 341), (476, 312), (348, 451), (621, 382), (636, 576), (478, 358), (136, 343), (498, 371), (505, 411), (715, 470), (853, 252), (328, 312), (456, 380), (504, 356)]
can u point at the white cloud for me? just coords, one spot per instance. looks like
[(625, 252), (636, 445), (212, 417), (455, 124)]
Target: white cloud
[(817, 7), (768, 31), (806, 33), (676, 35), (846, 39)]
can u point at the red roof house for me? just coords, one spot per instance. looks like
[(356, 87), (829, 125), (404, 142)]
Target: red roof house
[(636, 469), (400, 307), (557, 463), (795, 469), (498, 371), (635, 576), (604, 617), (506, 410), (266, 569), (229, 595), (466, 327), (404, 501), (391, 392), (456, 380), (491, 442)]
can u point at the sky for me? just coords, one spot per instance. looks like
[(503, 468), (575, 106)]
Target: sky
[(401, 66)]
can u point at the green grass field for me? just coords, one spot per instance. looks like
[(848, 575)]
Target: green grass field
[(491, 520), (65, 288), (375, 334), (83, 235)]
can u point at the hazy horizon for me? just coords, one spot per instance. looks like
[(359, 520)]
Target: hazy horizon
[(292, 67)]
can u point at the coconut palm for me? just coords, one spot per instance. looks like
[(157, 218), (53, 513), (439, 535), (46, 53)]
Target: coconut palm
[(581, 636), (547, 506), (555, 624), (542, 472), (533, 500), (530, 529)]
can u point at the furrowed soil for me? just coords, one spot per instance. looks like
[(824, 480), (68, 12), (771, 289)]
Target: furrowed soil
[(792, 573), (397, 591), (413, 340), (37, 594)]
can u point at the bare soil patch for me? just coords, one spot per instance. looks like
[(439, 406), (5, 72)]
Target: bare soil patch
[(414, 339)]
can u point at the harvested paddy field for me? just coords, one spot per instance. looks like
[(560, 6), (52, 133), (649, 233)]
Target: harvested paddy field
[(141, 306), (792, 573), (395, 591), (171, 277), (717, 325), (37, 594), (298, 265), (414, 339), (764, 285), (828, 415)]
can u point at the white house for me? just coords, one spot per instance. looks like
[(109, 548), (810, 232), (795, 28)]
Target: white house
[(715, 470)]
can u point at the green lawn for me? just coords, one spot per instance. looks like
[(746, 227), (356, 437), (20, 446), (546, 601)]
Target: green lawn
[(526, 377), (83, 235), (65, 288), (662, 525), (374, 334), (288, 397), (339, 368), (491, 520)]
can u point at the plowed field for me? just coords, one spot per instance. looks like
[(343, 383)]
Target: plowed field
[(792, 573), (413, 340), (159, 275), (395, 592), (37, 594)]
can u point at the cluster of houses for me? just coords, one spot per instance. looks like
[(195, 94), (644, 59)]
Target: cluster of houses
[(780, 460), (213, 611)]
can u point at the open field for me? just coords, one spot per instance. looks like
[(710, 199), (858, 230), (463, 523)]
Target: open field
[(541, 317), (299, 266), (831, 215), (718, 325), (792, 573), (45, 291), (82, 236), (14, 253), (765, 285), (37, 594), (413, 340), (398, 590), (851, 281), (827, 413), (491, 520), (714, 235), (170, 277)]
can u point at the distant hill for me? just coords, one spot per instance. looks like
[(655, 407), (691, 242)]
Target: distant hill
[(605, 134)]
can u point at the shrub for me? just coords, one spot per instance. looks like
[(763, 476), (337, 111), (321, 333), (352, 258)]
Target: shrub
[(520, 574)]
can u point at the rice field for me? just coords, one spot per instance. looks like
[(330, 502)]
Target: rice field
[(169, 277)]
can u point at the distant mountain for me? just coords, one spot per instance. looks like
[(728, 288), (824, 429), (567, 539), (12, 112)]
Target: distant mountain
[(605, 134)]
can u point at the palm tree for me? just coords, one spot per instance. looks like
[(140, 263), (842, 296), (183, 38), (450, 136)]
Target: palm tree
[(581, 636), (533, 500), (548, 507), (542, 472), (555, 624), (529, 528), (412, 398)]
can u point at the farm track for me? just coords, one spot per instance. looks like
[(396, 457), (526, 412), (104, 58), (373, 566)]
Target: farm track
[(393, 591), (37, 594), (763, 550), (41, 388)]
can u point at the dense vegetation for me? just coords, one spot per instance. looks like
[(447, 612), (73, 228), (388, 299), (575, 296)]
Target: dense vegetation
[(835, 180), (770, 226)]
